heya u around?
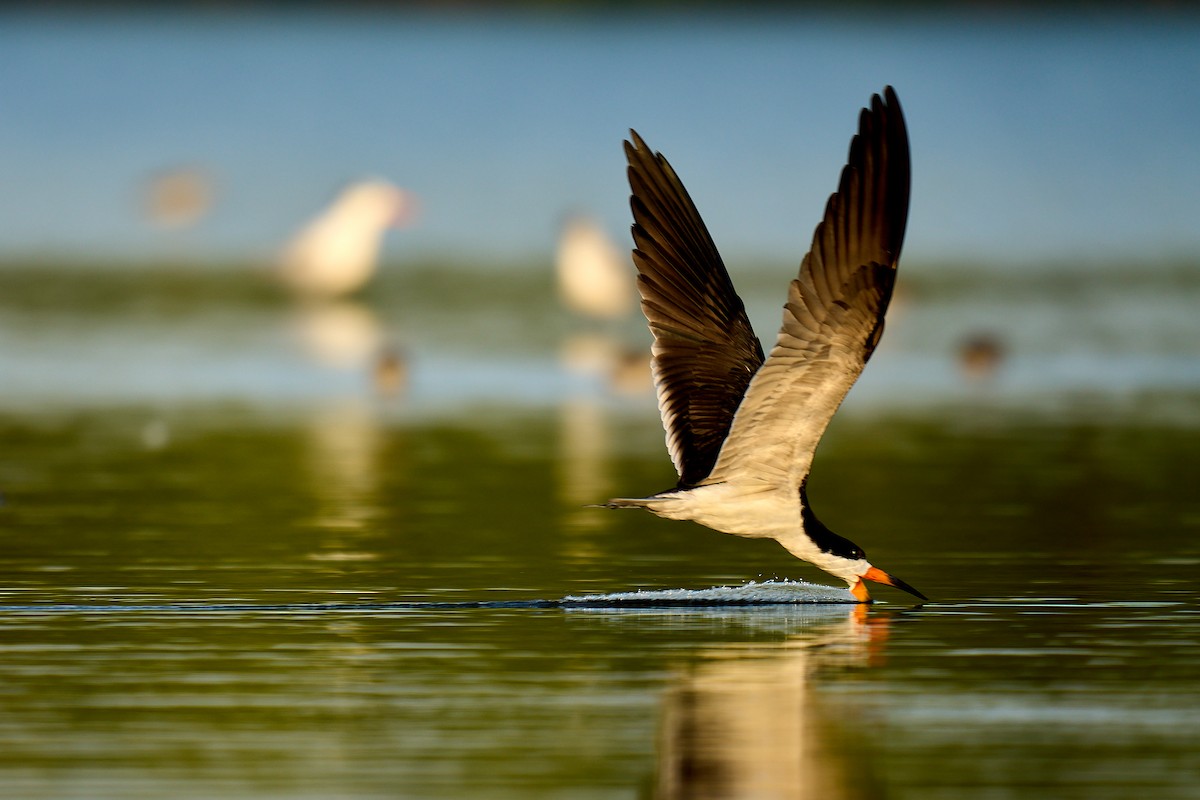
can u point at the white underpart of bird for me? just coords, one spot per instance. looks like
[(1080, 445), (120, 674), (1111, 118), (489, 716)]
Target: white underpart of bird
[(593, 275), (338, 251), (742, 429)]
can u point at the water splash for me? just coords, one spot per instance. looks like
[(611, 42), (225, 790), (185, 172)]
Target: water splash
[(752, 593)]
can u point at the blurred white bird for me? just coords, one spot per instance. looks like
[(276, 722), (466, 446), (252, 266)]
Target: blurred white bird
[(594, 278), (337, 252)]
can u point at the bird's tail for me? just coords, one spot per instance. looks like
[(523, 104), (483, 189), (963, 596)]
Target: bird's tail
[(667, 504), (625, 502)]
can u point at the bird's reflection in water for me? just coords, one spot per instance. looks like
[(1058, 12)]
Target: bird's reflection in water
[(343, 447), (588, 353), (617, 368), (583, 467), (347, 336), (343, 437), (342, 334), (745, 722)]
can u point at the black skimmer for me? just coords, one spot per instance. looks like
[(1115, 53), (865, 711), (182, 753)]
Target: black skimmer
[(742, 429)]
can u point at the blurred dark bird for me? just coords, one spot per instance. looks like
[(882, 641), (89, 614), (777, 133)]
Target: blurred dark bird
[(389, 375), (742, 430), (980, 355)]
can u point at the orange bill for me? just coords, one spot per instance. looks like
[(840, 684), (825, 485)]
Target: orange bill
[(879, 576)]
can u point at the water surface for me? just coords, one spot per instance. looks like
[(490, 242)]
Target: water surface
[(232, 607)]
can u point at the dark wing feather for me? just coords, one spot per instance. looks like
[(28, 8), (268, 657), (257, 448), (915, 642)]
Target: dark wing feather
[(865, 219), (834, 315), (705, 351)]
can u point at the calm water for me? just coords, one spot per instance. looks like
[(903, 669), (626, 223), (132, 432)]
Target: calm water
[(219, 547)]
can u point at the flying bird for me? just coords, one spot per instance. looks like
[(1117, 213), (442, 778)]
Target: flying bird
[(741, 429)]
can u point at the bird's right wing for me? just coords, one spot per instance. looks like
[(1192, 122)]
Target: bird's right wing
[(705, 351), (834, 313)]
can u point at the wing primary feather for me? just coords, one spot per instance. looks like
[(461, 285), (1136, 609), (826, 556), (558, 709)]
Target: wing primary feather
[(705, 351), (726, 411), (834, 316)]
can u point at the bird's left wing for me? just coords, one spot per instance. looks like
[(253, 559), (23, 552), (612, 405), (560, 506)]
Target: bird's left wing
[(705, 351), (834, 313)]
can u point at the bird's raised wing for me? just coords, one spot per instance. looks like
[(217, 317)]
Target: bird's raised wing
[(834, 313), (705, 351)]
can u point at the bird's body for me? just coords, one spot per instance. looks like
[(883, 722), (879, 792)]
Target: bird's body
[(742, 428)]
